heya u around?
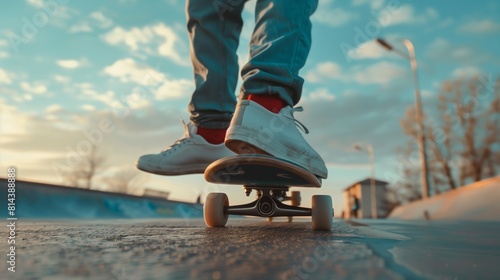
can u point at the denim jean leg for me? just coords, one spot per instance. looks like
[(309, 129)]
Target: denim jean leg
[(214, 27), (279, 48)]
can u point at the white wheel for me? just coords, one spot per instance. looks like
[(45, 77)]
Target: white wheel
[(269, 219), (322, 212), (295, 198), (213, 210)]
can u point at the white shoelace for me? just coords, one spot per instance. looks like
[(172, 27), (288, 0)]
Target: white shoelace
[(179, 143), (297, 123)]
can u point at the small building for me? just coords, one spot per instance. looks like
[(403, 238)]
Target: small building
[(361, 192)]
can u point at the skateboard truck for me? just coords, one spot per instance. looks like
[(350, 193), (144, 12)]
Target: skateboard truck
[(268, 204)]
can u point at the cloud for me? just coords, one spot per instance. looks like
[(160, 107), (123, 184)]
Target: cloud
[(94, 20), (484, 26), (101, 20), (334, 17), (406, 15), (374, 4), (325, 71), (88, 107), (33, 88), (162, 87), (61, 79), (80, 28), (465, 72), (368, 50), (128, 70), (5, 77), (72, 63), (108, 98), (445, 51), (36, 3), (54, 108), (143, 40), (321, 94), (381, 73)]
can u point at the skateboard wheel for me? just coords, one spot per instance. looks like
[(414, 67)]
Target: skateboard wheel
[(290, 219), (269, 219), (295, 198), (213, 210), (322, 212)]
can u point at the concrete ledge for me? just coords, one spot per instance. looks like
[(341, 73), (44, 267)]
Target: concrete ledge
[(475, 202)]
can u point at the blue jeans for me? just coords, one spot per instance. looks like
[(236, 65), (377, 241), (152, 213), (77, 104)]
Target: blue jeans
[(279, 47)]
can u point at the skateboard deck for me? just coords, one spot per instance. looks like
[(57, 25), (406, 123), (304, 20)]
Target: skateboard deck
[(260, 171)]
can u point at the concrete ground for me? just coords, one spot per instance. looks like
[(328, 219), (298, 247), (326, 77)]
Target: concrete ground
[(252, 249)]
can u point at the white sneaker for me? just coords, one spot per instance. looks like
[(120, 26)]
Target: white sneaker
[(188, 155), (254, 129)]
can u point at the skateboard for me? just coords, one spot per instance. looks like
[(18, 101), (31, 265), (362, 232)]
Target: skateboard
[(271, 179)]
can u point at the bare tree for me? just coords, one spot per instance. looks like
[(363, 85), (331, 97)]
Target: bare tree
[(463, 141), (83, 174), (127, 180)]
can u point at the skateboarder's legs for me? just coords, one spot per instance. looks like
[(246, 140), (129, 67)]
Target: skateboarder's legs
[(278, 49), (214, 29)]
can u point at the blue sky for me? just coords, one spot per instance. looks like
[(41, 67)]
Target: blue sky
[(65, 66)]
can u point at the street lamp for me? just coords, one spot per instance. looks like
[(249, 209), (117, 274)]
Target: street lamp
[(418, 104), (369, 149)]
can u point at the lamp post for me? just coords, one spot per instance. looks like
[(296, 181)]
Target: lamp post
[(418, 105), (369, 149)]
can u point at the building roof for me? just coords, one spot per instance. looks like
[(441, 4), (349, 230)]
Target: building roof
[(367, 181)]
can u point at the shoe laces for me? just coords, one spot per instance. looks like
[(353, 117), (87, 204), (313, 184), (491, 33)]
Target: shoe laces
[(179, 143), (298, 123)]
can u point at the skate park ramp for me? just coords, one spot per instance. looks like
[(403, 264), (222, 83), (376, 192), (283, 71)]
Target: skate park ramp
[(474, 202), (43, 201)]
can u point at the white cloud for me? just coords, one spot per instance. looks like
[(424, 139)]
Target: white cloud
[(406, 15), (382, 73), (443, 50), (94, 20), (465, 72), (321, 94), (33, 88), (330, 16), (36, 3), (159, 36), (128, 70), (174, 89), (323, 71), (108, 98), (4, 54), (374, 4), (61, 79), (101, 20), (5, 77), (72, 63), (88, 107), (53, 109), (369, 49), (480, 26), (80, 28)]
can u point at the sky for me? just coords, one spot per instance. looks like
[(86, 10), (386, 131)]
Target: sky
[(118, 73)]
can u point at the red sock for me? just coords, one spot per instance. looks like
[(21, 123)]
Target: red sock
[(212, 135), (272, 103)]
